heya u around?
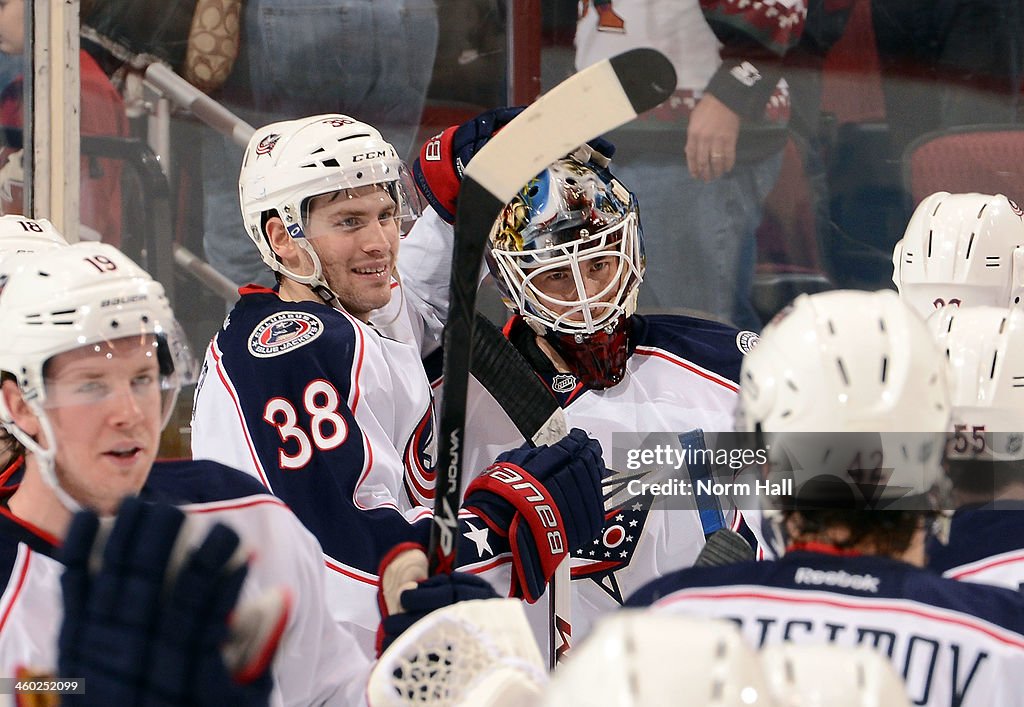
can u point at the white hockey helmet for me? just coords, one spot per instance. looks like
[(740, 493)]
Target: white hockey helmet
[(828, 675), (963, 249), (289, 162), (20, 234), (567, 216), (81, 295), (985, 350), (863, 368), (643, 658)]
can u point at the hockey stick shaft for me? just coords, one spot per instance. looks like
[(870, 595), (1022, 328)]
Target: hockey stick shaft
[(587, 104), (535, 412)]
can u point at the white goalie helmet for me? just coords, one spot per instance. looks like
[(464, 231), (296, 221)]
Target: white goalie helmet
[(863, 368), (985, 350), (635, 658), (568, 216), (962, 249), (289, 162), (19, 234), (81, 295)]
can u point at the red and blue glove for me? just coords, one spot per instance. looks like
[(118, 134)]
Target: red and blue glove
[(546, 500), (443, 158)]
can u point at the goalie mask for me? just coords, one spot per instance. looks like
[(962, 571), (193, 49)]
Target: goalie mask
[(961, 249), (567, 254), (287, 164), (87, 297)]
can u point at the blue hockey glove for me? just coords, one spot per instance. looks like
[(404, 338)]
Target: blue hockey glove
[(406, 594), (146, 612), (443, 158), (547, 500)]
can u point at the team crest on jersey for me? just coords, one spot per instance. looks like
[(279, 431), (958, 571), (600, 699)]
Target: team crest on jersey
[(283, 332), (266, 145), (746, 341), (563, 383)]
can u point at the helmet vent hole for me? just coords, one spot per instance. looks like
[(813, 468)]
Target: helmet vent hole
[(982, 210), (114, 324), (831, 328), (1002, 325), (881, 325), (885, 367), (1016, 300), (992, 371), (929, 244), (532, 191), (786, 413), (331, 163), (842, 371), (792, 386), (970, 244)]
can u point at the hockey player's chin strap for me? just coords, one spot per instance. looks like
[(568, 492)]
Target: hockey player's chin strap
[(315, 282), (45, 457)]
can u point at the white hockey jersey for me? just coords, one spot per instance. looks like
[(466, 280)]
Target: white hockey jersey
[(681, 375), (317, 663), (335, 418), (954, 644)]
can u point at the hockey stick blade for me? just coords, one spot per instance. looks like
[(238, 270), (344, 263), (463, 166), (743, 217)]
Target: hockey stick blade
[(724, 547), (585, 105)]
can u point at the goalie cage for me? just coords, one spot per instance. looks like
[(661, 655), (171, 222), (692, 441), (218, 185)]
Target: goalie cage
[(478, 652)]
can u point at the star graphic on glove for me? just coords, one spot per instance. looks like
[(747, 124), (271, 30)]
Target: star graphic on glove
[(479, 537)]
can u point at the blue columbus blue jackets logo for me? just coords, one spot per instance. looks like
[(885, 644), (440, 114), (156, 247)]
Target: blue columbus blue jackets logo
[(283, 332)]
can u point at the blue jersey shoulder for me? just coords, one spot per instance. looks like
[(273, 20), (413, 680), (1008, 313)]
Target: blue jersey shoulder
[(711, 345), (865, 576), (198, 481), (977, 533)]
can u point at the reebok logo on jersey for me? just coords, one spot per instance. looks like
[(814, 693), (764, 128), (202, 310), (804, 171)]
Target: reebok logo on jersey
[(283, 332), (831, 578)]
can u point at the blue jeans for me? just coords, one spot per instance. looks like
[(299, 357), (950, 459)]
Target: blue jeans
[(699, 238), (371, 59)]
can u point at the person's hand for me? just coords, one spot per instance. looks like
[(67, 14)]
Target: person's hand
[(711, 139), (150, 613), (547, 500)]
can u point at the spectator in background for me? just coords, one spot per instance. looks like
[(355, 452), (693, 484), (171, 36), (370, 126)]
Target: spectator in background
[(946, 63), (728, 118), (102, 113)]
